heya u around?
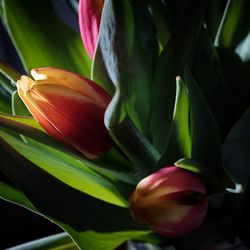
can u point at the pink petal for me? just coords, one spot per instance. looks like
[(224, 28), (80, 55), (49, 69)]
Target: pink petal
[(90, 12)]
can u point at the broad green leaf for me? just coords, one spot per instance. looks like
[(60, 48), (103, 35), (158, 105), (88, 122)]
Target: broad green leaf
[(237, 78), (126, 120), (110, 241), (76, 213), (126, 53), (11, 193), (208, 75), (57, 241), (22, 120), (112, 164), (180, 144), (234, 30), (214, 14), (206, 143), (162, 20), (62, 167), (86, 240), (140, 152), (236, 150), (42, 39), (177, 54)]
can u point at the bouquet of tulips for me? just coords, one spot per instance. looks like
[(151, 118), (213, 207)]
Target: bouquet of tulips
[(136, 128)]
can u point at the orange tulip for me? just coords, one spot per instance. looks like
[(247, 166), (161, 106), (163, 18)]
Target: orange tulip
[(172, 201), (69, 107)]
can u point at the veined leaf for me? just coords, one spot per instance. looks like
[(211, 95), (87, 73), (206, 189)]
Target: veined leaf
[(42, 39)]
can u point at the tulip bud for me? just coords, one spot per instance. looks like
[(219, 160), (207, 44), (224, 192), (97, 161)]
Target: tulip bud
[(90, 12), (69, 107), (172, 202)]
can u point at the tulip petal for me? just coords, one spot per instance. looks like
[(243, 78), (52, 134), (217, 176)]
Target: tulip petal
[(89, 21), (172, 201), (71, 113), (73, 81), (23, 86)]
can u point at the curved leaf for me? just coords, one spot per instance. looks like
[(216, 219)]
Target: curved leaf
[(206, 143), (126, 52), (61, 166), (42, 39), (180, 144)]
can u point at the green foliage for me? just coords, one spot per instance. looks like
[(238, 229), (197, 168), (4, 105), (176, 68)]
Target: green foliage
[(178, 74), (42, 39)]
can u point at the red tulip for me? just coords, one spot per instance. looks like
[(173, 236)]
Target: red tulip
[(90, 12), (69, 107), (172, 202)]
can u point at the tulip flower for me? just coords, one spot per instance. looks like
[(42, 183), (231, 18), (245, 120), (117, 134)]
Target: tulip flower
[(172, 201), (90, 12), (69, 107)]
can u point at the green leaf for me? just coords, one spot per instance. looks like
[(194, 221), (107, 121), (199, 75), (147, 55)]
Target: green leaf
[(214, 14), (177, 54), (18, 107), (211, 180), (236, 150), (4, 101), (110, 241), (112, 164), (209, 77), (206, 144), (8, 76), (136, 147), (66, 169), (162, 20), (126, 53), (76, 213), (11, 193), (57, 241), (234, 28), (180, 144), (11, 74), (42, 39)]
